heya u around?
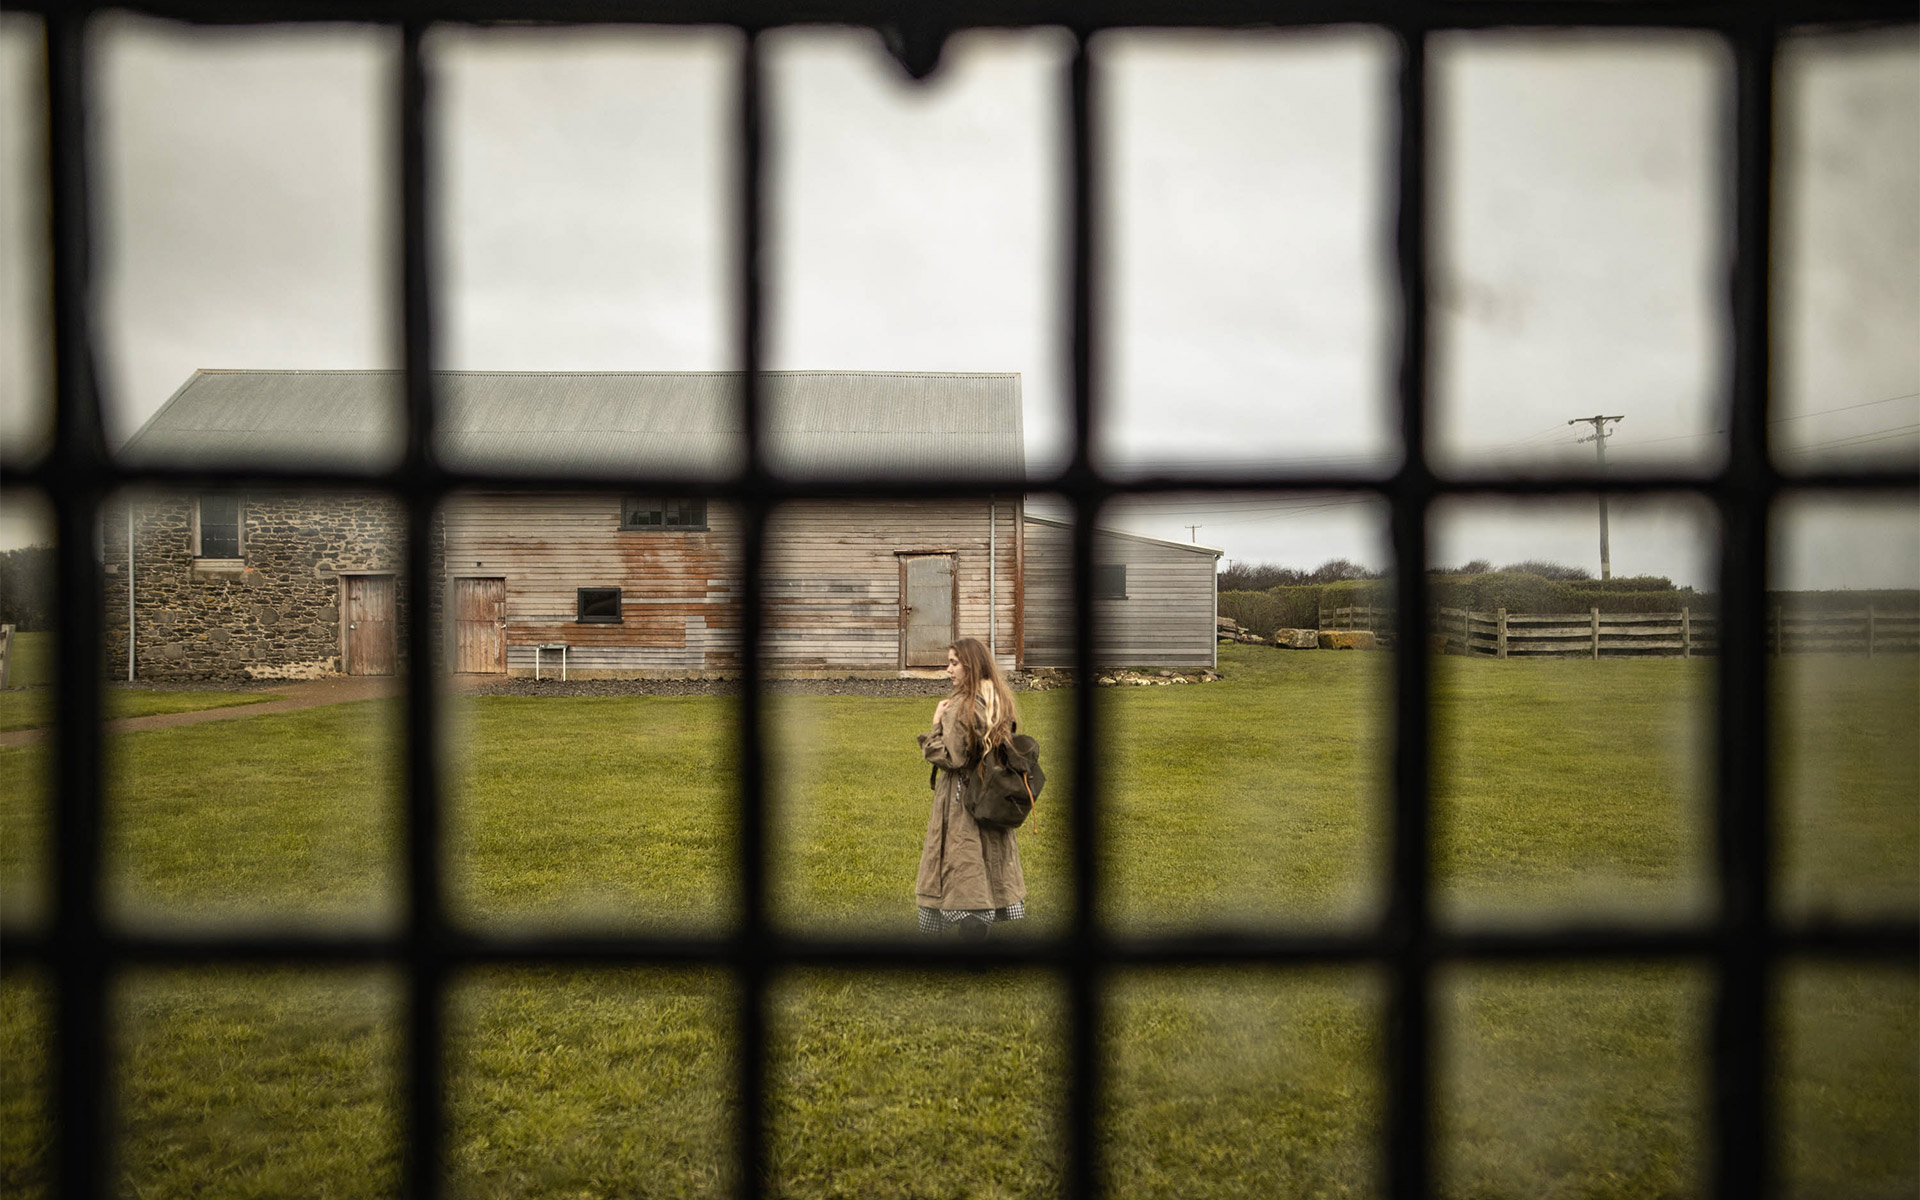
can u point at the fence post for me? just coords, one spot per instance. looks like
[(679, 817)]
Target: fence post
[(1595, 613), (1779, 634), (1466, 633), (6, 653), (1686, 631), (1870, 615), (1500, 615)]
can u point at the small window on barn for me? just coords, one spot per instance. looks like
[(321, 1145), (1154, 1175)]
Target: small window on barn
[(1110, 581), (663, 513), (217, 527), (599, 605)]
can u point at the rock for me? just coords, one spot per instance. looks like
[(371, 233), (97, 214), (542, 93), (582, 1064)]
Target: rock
[(1105, 681), (1297, 639), (1347, 639)]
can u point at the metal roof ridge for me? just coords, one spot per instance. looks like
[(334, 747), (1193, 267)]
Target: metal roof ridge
[(1196, 547)]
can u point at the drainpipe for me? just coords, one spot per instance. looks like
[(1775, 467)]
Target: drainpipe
[(993, 554), (129, 589)]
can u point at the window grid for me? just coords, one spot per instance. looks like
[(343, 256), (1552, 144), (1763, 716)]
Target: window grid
[(1743, 942)]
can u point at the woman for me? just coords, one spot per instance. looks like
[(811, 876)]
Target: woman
[(969, 877)]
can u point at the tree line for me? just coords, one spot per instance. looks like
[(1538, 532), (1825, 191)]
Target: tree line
[(1258, 577), (26, 588)]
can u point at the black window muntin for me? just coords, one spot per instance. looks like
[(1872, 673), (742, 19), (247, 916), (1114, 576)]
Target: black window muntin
[(597, 605), (218, 520), (663, 513), (1742, 944)]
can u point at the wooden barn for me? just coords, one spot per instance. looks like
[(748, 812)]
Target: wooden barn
[(595, 584), (1156, 603)]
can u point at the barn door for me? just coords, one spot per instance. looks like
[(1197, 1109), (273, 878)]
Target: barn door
[(370, 625), (480, 626), (926, 609)]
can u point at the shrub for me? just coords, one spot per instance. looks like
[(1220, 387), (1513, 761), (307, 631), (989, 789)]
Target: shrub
[(1546, 570)]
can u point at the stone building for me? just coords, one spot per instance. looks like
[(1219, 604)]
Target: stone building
[(255, 585)]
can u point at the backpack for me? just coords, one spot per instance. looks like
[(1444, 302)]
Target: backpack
[(1005, 784)]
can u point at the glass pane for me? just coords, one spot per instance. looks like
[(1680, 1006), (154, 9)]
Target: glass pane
[(1572, 1081), (1573, 716), (591, 762), (1844, 622), (1579, 255), (26, 277), (1248, 285), (1245, 757), (26, 1035), (258, 1083), (863, 601), (590, 1083), (256, 771), (1849, 1090), (914, 229), (1244, 1084), (28, 696), (890, 1085), (1847, 263), (249, 199), (587, 179)]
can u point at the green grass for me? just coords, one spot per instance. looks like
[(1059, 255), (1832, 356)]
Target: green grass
[(32, 664), (1562, 788), (1572, 788), (33, 709)]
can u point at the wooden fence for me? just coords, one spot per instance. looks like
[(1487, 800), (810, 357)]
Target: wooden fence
[(1594, 634)]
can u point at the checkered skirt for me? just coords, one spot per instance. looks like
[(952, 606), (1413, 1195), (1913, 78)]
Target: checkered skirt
[(943, 920)]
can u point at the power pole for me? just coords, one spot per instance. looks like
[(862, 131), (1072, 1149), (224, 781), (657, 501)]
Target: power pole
[(1193, 533), (1599, 439)]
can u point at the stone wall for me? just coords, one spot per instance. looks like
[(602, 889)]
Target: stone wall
[(274, 614)]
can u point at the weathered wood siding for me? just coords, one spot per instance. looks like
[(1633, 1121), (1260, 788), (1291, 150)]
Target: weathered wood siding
[(1167, 619), (832, 582), (833, 578)]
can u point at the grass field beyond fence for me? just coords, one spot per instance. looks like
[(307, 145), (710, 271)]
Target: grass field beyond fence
[(1563, 791)]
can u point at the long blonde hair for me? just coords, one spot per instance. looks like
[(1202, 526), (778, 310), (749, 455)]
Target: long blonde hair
[(981, 676)]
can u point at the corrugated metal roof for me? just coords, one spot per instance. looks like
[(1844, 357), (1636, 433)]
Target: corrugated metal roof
[(1189, 547), (885, 423)]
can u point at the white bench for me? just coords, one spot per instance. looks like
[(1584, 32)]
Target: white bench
[(540, 652)]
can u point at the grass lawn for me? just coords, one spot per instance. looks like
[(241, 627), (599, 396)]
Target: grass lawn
[(33, 708), (1560, 788), (32, 664)]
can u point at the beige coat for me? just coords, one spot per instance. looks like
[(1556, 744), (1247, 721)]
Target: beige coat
[(962, 866)]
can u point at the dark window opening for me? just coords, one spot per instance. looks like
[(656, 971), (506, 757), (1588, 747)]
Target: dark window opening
[(1110, 581), (599, 605), (657, 513), (219, 527)]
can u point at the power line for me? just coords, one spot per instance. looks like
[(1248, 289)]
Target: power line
[(1858, 439), (1844, 408)]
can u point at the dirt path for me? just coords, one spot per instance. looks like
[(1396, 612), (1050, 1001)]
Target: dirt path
[(304, 694)]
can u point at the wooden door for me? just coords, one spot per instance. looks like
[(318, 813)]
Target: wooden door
[(480, 626), (370, 625), (926, 609)]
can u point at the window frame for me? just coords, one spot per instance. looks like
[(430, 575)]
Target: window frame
[(196, 542), (629, 504), (580, 616), (1104, 576), (1743, 944)]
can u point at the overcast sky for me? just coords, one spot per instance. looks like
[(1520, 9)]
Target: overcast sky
[(586, 184)]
